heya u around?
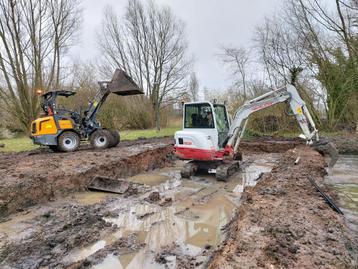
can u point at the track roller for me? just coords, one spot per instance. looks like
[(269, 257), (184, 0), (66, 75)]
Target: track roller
[(189, 169), (225, 170)]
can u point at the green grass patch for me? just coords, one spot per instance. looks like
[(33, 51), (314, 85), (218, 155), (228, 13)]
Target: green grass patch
[(149, 133), (24, 143), (17, 144)]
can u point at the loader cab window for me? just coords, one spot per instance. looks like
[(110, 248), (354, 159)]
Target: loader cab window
[(199, 116)]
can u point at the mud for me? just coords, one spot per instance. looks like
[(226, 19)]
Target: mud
[(157, 220), (182, 225), (38, 176), (269, 144), (28, 178), (283, 222)]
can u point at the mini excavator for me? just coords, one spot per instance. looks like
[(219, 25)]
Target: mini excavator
[(63, 130), (211, 142)]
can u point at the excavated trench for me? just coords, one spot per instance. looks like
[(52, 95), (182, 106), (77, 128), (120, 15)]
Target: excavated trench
[(37, 177), (158, 220)]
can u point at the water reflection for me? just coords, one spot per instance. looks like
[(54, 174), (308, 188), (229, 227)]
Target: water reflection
[(200, 208), (344, 177)]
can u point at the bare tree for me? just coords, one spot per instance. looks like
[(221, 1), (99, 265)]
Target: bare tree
[(193, 87), (149, 44), (34, 36), (238, 60), (330, 34)]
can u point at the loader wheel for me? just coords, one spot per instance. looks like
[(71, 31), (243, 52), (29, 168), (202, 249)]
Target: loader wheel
[(101, 139), (68, 141), (116, 138)]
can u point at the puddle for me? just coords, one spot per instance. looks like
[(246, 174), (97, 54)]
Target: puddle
[(200, 208), (17, 226), (90, 198), (254, 170), (151, 179), (344, 178)]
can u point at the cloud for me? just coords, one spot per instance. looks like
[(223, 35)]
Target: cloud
[(209, 25)]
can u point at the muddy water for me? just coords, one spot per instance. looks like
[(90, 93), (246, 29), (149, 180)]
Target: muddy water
[(344, 177), (192, 219)]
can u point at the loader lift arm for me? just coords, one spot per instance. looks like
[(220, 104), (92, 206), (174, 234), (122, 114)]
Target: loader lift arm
[(121, 84), (89, 122), (285, 94)]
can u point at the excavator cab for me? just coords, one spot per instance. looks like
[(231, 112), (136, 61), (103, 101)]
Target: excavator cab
[(205, 128)]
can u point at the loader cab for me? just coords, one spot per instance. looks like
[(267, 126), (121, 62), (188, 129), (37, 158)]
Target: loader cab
[(213, 118)]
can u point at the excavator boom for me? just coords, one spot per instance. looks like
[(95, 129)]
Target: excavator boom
[(285, 94)]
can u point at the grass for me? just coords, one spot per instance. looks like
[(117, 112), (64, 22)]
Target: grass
[(17, 144), (24, 143), (149, 133)]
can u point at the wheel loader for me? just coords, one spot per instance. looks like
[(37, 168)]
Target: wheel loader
[(210, 142), (63, 130)]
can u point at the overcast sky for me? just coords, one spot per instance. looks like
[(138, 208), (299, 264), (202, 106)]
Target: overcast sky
[(209, 25)]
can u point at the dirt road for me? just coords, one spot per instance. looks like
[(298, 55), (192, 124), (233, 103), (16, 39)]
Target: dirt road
[(162, 221)]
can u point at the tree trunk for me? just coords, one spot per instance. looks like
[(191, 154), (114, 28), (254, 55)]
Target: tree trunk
[(157, 117)]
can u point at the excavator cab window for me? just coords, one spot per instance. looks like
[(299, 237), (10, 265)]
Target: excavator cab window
[(222, 123), (198, 116)]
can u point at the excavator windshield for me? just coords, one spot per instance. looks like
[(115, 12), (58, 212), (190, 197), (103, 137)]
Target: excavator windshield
[(198, 115)]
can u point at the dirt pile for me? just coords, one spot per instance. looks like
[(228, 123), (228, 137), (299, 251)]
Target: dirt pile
[(269, 144), (36, 177), (284, 223)]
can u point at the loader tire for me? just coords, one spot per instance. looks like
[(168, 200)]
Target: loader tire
[(101, 139), (116, 138), (68, 141)]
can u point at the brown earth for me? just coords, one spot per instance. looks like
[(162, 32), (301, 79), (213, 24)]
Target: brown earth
[(269, 144), (38, 176), (284, 223)]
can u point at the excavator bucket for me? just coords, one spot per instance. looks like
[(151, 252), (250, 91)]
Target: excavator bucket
[(105, 184), (122, 84)]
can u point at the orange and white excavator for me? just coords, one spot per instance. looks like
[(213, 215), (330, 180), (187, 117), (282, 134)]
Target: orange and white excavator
[(211, 142)]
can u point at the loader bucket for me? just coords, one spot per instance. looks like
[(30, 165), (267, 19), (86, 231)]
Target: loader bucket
[(122, 84)]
